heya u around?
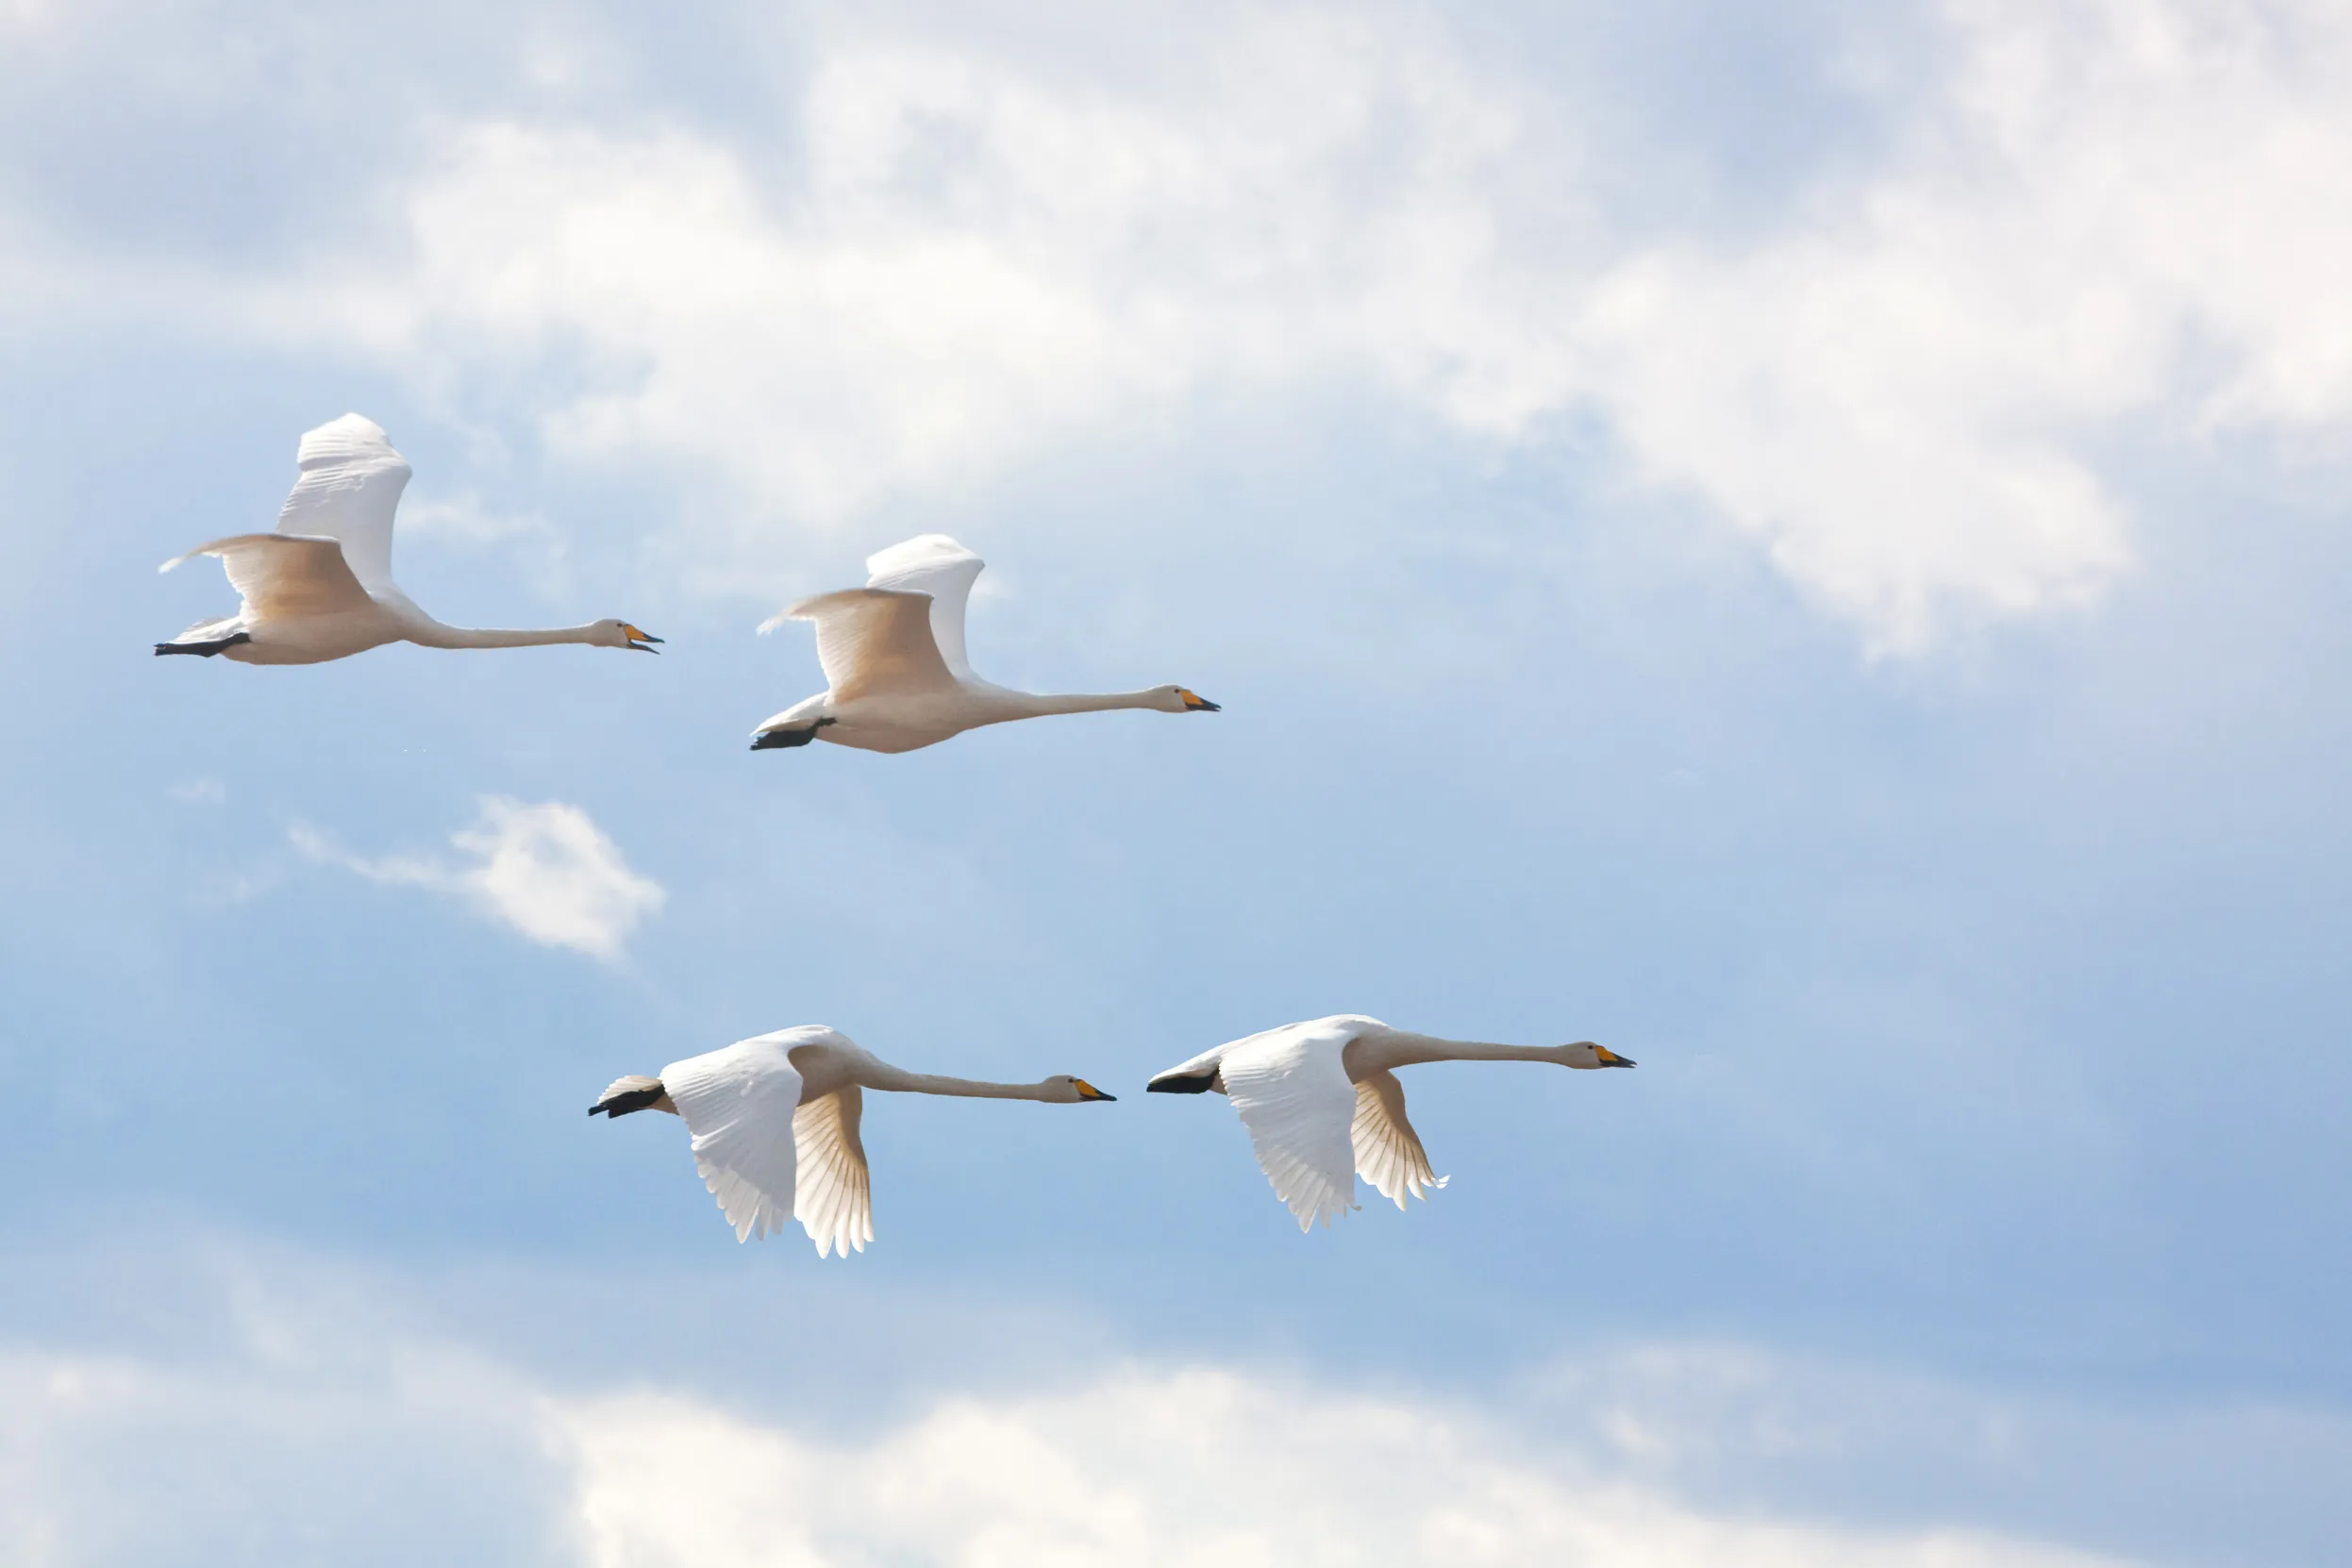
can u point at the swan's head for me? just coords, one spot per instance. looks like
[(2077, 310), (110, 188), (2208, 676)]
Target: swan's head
[(619, 634), (1585, 1054), (1062, 1089), (1180, 699)]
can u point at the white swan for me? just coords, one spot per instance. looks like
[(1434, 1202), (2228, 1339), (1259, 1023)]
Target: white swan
[(1322, 1104), (895, 668), (775, 1120), (322, 588)]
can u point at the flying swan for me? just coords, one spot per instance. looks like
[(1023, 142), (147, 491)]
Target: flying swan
[(322, 588), (1322, 1104), (895, 668), (775, 1120)]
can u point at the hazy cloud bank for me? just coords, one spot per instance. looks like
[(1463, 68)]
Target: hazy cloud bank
[(964, 254)]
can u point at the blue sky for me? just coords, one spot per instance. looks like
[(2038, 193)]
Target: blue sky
[(1810, 551)]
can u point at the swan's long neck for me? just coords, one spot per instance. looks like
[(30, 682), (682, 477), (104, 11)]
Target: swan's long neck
[(893, 1080), (436, 635), (1034, 704), (1397, 1048)]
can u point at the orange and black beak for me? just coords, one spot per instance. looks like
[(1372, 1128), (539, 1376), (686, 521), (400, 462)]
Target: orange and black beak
[(1088, 1092), (639, 638), (1195, 703), (1610, 1058)]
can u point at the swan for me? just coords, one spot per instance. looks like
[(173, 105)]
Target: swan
[(1322, 1104), (895, 674), (774, 1120), (322, 588)]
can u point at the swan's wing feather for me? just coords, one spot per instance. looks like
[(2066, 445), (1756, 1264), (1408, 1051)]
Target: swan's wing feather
[(833, 1198), (283, 575), (350, 485), (1388, 1152), (937, 565), (1291, 1090), (738, 1102), (876, 641)]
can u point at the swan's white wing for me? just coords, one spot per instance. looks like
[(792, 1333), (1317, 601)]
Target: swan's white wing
[(874, 642), (937, 565), (1293, 1093), (351, 482), (278, 574), (834, 1198), (738, 1102), (1388, 1152)]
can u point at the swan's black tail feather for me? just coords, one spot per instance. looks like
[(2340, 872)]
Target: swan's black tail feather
[(619, 1102), (204, 650), (777, 739), (1169, 1083)]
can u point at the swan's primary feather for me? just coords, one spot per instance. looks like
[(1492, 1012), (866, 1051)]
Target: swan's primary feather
[(739, 1103), (1291, 1088), (874, 642), (937, 565), (1388, 1152), (285, 576), (350, 485), (833, 1198)]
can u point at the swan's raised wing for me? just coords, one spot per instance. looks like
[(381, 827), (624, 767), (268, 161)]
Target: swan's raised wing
[(740, 1102), (834, 1197), (350, 485), (1291, 1089), (937, 565), (1388, 1152), (282, 575), (874, 641)]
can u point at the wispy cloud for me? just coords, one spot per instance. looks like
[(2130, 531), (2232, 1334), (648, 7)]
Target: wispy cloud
[(198, 790), (547, 870)]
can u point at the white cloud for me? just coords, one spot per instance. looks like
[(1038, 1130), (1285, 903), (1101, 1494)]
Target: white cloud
[(401, 1451), (547, 870), (2091, 217), (2104, 206), (220, 1400), (1200, 1466), (198, 790)]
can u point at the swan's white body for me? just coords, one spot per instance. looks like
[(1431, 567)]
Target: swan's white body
[(895, 673), (775, 1120), (321, 587), (1322, 1106)]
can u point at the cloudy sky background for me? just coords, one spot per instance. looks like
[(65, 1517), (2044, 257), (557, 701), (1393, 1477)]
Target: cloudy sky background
[(1808, 547)]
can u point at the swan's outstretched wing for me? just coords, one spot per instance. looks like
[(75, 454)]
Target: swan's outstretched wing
[(937, 565), (351, 482), (738, 1102), (1388, 1152), (1291, 1090), (282, 575), (874, 641), (834, 1198)]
